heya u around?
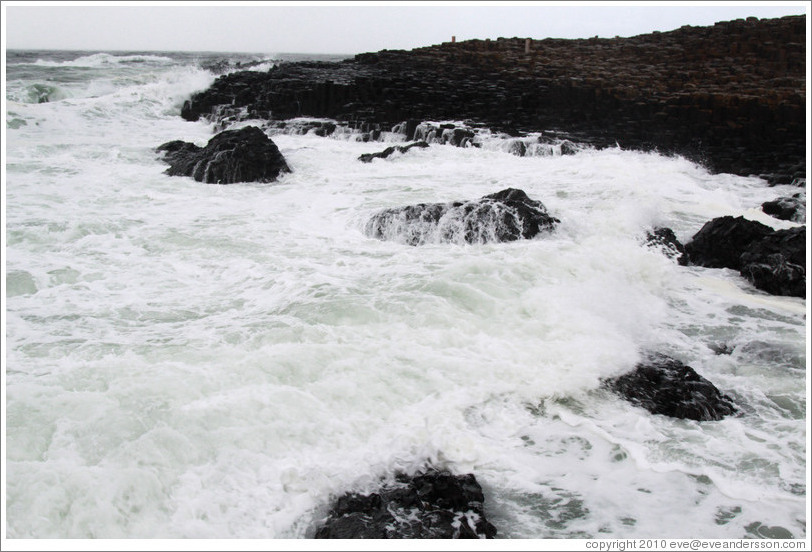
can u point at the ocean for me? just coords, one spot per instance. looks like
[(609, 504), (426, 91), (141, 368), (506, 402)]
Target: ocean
[(194, 361)]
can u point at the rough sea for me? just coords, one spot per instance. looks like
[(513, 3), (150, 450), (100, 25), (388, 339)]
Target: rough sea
[(193, 361)]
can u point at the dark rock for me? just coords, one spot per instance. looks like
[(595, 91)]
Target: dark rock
[(787, 208), (220, 66), (721, 242), (731, 96), (299, 127), (773, 260), (517, 148), (406, 128), (777, 262), (224, 92), (665, 240), (368, 157), (663, 385), (177, 149), (429, 505), (325, 129), (568, 148), (458, 137), (504, 216), (720, 348), (244, 155), (445, 133)]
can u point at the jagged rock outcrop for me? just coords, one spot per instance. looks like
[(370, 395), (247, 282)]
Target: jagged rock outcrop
[(244, 155), (773, 260), (507, 215), (731, 95), (319, 128), (666, 241), (429, 505), (445, 133), (368, 157), (777, 262), (220, 66), (721, 241), (787, 208), (663, 385)]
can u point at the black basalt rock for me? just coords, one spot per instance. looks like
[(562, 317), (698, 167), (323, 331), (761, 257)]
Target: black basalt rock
[(368, 157), (731, 95), (721, 242), (664, 239), (773, 260), (429, 505), (507, 215), (243, 155), (663, 385), (777, 262), (787, 208)]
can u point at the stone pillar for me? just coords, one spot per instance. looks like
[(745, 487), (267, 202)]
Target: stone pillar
[(526, 45), (453, 38)]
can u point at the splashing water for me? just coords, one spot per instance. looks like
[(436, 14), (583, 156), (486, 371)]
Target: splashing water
[(198, 361)]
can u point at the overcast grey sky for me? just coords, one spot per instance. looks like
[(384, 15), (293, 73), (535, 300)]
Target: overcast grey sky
[(349, 28)]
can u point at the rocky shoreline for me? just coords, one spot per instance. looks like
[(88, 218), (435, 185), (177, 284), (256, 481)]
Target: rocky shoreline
[(731, 96)]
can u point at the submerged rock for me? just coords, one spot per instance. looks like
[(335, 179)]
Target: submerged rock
[(663, 385), (665, 240), (430, 505), (368, 157), (300, 127), (773, 260), (221, 66), (721, 348), (507, 215), (787, 208), (243, 155)]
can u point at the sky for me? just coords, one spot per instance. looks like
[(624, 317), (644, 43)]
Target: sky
[(345, 28)]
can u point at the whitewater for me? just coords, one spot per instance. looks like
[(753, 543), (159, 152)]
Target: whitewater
[(186, 360)]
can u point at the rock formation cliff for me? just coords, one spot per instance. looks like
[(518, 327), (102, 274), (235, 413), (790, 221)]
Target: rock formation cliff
[(731, 95)]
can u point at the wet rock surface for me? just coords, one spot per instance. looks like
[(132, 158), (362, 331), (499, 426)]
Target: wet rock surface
[(777, 262), (787, 208), (731, 95), (220, 66), (429, 505), (666, 386), (244, 155), (721, 241), (368, 157), (665, 240), (507, 215), (773, 260)]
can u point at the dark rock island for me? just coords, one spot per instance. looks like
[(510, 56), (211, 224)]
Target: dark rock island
[(666, 386), (243, 155), (428, 505), (773, 260), (787, 208), (731, 96), (505, 216)]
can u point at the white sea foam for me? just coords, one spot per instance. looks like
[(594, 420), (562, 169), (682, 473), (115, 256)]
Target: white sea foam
[(105, 60), (190, 360)]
